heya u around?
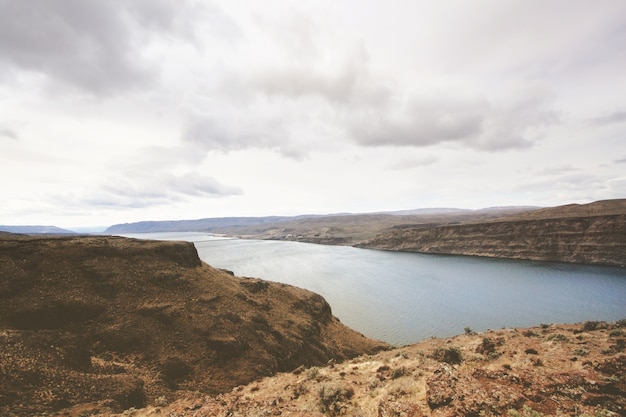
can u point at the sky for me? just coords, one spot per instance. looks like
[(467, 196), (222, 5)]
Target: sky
[(126, 110)]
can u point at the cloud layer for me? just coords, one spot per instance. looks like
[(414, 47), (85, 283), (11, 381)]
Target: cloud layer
[(309, 106)]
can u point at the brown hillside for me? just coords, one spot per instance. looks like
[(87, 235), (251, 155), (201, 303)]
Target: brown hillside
[(551, 370), (589, 234), (120, 323), (597, 208)]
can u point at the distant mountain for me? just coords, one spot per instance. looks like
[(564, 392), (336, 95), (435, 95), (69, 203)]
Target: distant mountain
[(50, 230), (424, 211), (199, 225), (242, 225)]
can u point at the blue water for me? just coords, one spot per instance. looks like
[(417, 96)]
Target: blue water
[(403, 298)]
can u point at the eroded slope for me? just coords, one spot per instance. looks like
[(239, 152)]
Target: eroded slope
[(118, 322)]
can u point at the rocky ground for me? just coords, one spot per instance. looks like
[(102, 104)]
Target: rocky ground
[(551, 370), (92, 321)]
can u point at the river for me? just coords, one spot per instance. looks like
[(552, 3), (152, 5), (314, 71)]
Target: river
[(403, 298)]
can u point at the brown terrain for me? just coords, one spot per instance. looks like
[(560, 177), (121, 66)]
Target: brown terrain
[(110, 323), (550, 370), (591, 234), (352, 229), (113, 326)]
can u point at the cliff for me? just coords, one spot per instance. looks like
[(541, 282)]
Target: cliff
[(93, 322), (581, 234)]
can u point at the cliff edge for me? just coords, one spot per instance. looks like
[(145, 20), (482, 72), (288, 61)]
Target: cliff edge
[(119, 323), (590, 234)]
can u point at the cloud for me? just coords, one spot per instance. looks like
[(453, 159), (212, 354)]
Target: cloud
[(141, 190), (409, 163), (8, 133), (613, 118), (482, 124), (99, 47)]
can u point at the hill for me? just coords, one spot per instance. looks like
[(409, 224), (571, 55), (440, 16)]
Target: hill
[(198, 225), (112, 322), (592, 234), (51, 230), (334, 229), (550, 370)]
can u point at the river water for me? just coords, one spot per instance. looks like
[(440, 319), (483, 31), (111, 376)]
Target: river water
[(403, 298)]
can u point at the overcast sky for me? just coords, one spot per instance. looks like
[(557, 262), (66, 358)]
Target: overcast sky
[(126, 110)]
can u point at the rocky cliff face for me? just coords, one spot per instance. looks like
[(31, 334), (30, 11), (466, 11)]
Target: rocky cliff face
[(112, 322), (591, 240)]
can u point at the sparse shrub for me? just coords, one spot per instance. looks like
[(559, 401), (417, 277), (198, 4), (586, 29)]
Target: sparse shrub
[(621, 323), (486, 347), (616, 333), (600, 413), (526, 411), (468, 331), (451, 355), (160, 401), (557, 337), (531, 351), (331, 397), (590, 325), (312, 373), (298, 391), (399, 372), (530, 333), (544, 325), (493, 356), (581, 351)]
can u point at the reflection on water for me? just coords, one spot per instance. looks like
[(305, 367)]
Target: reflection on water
[(406, 297)]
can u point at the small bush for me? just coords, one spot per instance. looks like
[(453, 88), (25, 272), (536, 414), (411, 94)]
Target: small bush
[(581, 352), (486, 347), (399, 372), (451, 355), (616, 333), (332, 396), (557, 337), (590, 325)]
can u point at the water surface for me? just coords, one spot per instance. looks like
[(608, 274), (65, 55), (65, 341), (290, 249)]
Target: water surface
[(403, 298)]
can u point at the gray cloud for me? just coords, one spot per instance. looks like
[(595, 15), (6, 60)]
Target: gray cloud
[(237, 132), (409, 163), (351, 104), (94, 46), (621, 161), (478, 124), (613, 118), (8, 133), (140, 190)]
